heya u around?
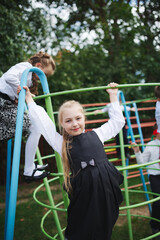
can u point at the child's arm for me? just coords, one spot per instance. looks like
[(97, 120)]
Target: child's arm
[(141, 157), (103, 110), (42, 123), (13, 77), (106, 108), (116, 122), (98, 111), (132, 109)]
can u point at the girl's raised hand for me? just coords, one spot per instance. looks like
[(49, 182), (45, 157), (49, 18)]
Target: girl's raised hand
[(112, 90)]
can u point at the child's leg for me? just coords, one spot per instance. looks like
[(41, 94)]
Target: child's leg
[(30, 151), (31, 173)]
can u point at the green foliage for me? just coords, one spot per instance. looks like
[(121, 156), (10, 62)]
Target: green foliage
[(22, 28), (126, 41), (124, 49), (86, 69)]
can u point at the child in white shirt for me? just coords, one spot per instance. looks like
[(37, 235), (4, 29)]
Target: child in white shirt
[(9, 82)]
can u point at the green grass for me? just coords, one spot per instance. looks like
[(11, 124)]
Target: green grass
[(29, 214), (140, 229)]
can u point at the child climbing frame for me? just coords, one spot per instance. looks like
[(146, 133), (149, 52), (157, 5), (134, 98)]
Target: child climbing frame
[(62, 206)]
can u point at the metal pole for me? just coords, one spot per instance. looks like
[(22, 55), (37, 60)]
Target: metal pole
[(8, 178), (133, 140), (126, 185)]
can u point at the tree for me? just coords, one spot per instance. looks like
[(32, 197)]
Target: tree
[(149, 39), (23, 31), (128, 34)]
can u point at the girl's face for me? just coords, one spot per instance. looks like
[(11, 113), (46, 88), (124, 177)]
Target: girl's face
[(48, 71), (73, 121)]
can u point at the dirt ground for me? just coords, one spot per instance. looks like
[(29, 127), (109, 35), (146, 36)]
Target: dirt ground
[(142, 211)]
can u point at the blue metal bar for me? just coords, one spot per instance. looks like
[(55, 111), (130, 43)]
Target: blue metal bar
[(139, 125), (128, 133), (142, 142), (17, 149), (133, 139), (125, 173), (8, 178)]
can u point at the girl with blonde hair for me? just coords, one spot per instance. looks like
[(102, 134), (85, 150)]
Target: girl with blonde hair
[(92, 182)]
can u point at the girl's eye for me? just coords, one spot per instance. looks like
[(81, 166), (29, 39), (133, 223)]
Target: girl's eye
[(78, 118), (68, 121)]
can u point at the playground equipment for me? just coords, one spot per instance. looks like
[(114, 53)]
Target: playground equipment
[(11, 186)]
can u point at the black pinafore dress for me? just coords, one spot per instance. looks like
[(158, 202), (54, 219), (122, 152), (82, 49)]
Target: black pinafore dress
[(96, 195)]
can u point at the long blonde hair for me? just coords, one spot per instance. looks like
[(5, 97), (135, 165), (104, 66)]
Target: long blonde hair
[(66, 140)]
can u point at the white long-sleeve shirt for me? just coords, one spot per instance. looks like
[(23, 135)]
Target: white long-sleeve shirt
[(42, 124), (157, 115), (11, 79), (150, 154)]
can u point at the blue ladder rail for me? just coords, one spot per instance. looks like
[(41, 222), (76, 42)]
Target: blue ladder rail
[(121, 95)]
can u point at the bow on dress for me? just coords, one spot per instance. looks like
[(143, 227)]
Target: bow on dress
[(86, 164)]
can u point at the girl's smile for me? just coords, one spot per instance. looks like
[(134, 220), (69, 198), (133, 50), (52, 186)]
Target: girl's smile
[(76, 129)]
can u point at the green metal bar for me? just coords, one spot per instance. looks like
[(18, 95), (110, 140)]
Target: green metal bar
[(135, 136), (97, 88), (101, 107), (129, 145), (42, 223), (55, 207), (58, 158), (49, 194), (61, 178), (151, 168), (125, 185), (142, 216), (142, 203), (151, 236), (129, 137), (46, 157), (137, 165)]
